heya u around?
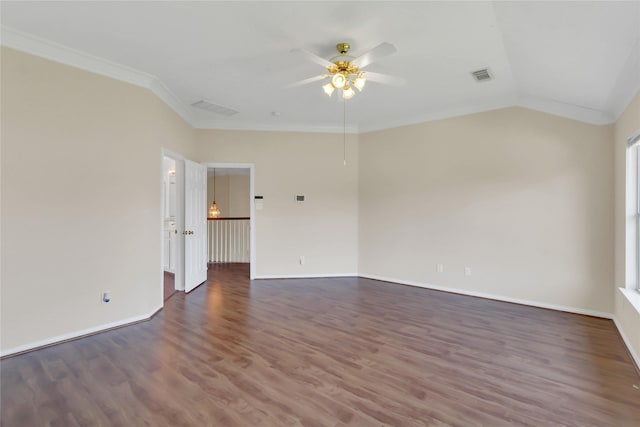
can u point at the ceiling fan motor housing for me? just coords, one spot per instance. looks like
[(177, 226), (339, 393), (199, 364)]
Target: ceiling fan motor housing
[(343, 48), (343, 67)]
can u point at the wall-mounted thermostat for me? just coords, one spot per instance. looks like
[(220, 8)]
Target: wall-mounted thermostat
[(259, 202)]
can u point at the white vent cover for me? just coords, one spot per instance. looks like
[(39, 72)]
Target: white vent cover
[(482, 75), (214, 108)]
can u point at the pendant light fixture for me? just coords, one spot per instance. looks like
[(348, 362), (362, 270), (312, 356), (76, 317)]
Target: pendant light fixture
[(214, 210)]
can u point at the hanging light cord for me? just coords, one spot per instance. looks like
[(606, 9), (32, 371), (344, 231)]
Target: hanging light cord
[(344, 133)]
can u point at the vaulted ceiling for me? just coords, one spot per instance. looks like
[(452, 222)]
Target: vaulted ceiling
[(575, 59)]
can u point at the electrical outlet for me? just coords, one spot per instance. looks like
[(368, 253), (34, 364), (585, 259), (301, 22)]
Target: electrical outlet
[(439, 268), (301, 259), (467, 271)]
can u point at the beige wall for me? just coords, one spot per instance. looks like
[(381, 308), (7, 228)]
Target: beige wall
[(521, 197), (627, 316), (239, 193), (81, 189), (232, 195), (324, 228)]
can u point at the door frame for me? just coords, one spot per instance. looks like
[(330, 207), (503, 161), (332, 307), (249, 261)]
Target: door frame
[(179, 272), (252, 208)]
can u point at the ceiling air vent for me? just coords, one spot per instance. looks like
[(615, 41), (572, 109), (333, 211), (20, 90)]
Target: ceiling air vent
[(214, 108), (481, 75)]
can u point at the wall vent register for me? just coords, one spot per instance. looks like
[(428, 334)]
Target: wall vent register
[(482, 75), (214, 108)]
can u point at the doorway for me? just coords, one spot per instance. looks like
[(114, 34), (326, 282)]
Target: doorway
[(231, 219), (186, 265), (169, 226), (172, 224)]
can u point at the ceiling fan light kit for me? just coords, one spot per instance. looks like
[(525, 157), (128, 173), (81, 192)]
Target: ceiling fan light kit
[(328, 88), (347, 92), (359, 82), (344, 74)]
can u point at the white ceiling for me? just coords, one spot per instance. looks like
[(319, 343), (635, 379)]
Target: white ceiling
[(575, 59)]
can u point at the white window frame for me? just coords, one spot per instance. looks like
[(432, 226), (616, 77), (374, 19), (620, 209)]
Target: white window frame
[(637, 148), (633, 195)]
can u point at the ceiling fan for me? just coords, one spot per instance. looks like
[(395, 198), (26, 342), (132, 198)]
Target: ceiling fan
[(346, 72)]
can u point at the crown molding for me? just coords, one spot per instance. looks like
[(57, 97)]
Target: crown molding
[(627, 84), (439, 115), (279, 127), (568, 111), (47, 49), (56, 52), (168, 97), (556, 108), (620, 98)]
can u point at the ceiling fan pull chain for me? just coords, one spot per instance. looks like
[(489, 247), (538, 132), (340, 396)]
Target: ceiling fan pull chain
[(344, 132)]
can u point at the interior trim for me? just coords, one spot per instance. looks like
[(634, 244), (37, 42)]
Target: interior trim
[(521, 301), (627, 343), (59, 53), (59, 339), (56, 52), (304, 276)]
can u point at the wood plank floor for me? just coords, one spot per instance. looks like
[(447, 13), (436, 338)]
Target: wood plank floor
[(169, 285), (330, 352)]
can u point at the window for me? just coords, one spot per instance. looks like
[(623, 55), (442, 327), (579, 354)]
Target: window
[(633, 208), (635, 141)]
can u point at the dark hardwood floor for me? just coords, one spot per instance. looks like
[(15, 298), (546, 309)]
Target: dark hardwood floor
[(329, 352), (169, 285)]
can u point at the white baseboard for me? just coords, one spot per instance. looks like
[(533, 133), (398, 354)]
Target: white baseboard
[(305, 276), (77, 334), (89, 331), (627, 342), (492, 296)]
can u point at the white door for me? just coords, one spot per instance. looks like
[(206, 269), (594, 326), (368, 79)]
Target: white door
[(195, 224)]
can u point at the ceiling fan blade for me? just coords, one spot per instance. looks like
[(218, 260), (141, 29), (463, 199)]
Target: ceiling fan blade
[(384, 78), (375, 54), (309, 80), (313, 57)]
